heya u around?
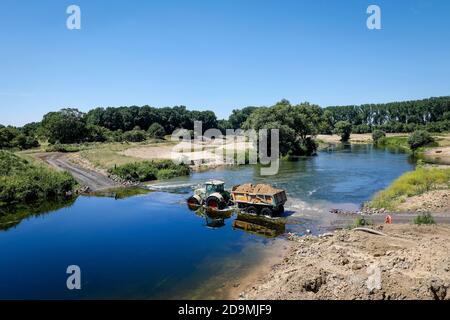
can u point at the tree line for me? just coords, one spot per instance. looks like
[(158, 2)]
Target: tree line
[(297, 123), (431, 114)]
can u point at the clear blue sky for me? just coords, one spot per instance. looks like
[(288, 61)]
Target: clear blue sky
[(218, 55)]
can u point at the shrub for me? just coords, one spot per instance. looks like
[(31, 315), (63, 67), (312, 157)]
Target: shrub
[(134, 136), (11, 137), (21, 182), (343, 129), (424, 219), (377, 135), (58, 147), (397, 142), (361, 222), (149, 170), (419, 139), (156, 131), (97, 133)]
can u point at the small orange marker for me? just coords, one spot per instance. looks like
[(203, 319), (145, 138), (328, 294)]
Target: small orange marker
[(388, 219)]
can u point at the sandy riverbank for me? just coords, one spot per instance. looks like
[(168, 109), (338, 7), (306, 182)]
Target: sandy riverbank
[(354, 137), (410, 262)]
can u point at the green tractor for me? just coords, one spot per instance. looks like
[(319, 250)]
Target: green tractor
[(213, 195)]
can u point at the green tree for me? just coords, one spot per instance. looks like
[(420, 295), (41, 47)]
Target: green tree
[(343, 129), (297, 124), (238, 117), (419, 139), (156, 131), (65, 126)]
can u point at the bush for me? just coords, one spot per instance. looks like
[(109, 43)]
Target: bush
[(11, 137), (343, 129), (134, 136), (21, 182), (97, 134), (361, 222), (58, 147), (149, 170), (377, 135), (156, 131), (419, 139), (424, 219), (398, 142)]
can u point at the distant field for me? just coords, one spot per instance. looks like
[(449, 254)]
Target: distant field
[(108, 155)]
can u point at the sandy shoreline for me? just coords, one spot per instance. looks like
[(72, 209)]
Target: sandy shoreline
[(410, 262)]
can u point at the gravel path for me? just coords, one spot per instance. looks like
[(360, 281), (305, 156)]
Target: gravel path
[(92, 179)]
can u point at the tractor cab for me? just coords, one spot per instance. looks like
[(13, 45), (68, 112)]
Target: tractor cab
[(214, 186)]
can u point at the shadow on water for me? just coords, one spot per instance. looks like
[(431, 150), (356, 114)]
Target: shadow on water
[(121, 192)]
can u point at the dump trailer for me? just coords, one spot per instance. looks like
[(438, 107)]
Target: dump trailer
[(259, 199)]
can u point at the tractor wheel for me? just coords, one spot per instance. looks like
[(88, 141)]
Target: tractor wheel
[(194, 201), (251, 210), (267, 212), (214, 203), (280, 209)]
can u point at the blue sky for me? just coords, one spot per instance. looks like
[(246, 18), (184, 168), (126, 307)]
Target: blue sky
[(218, 55)]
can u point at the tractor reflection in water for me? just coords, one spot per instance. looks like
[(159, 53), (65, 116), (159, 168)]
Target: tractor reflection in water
[(214, 219)]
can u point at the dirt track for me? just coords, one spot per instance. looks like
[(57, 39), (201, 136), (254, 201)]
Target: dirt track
[(92, 179)]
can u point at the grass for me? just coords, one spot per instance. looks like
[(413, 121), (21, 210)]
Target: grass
[(399, 142), (424, 219), (108, 155), (411, 184)]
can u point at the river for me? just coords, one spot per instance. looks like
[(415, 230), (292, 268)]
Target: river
[(151, 246)]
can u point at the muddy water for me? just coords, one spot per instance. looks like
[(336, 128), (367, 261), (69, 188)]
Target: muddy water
[(152, 246)]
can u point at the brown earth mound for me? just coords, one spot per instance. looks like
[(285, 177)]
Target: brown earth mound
[(257, 189), (410, 262)]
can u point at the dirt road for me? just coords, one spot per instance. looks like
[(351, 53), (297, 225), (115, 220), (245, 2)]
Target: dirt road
[(92, 179)]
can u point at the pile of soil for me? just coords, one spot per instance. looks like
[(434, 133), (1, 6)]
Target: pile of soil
[(257, 189), (411, 262), (436, 201)]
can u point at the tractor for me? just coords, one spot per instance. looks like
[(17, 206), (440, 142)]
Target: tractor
[(212, 195)]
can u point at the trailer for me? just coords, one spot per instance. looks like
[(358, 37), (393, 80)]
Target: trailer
[(259, 199)]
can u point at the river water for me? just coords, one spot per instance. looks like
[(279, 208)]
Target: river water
[(152, 246)]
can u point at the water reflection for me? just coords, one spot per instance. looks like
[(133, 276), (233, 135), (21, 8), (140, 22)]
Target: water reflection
[(121, 192), (260, 225), (10, 217), (253, 224), (214, 218)]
